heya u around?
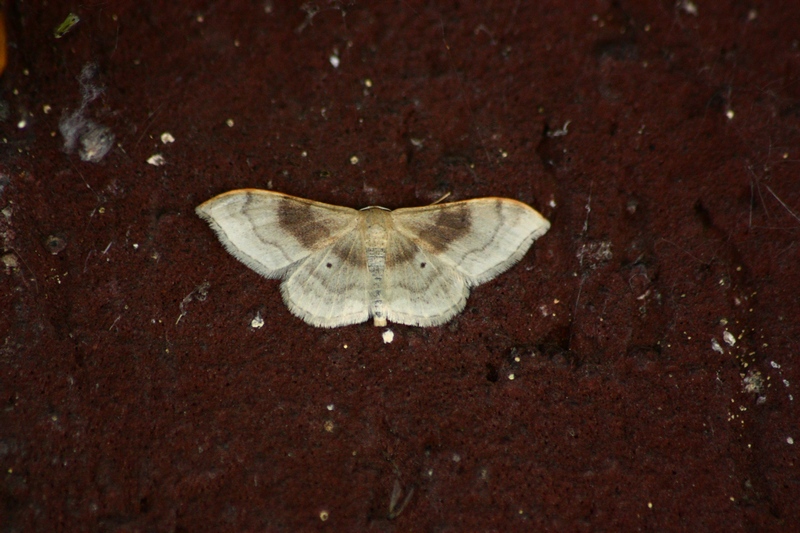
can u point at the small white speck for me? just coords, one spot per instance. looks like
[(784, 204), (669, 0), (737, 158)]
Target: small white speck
[(689, 7), (561, 131), (22, 123), (773, 364), (728, 337), (257, 321), (729, 113), (552, 202), (511, 377), (167, 138), (46, 109), (136, 246), (200, 18), (354, 160), (649, 505), (368, 83), (456, 458), (229, 122), (786, 382), (334, 59), (388, 336), (330, 407), (716, 347), (789, 440), (324, 515), (157, 160)]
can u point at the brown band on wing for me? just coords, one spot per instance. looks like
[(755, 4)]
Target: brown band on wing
[(298, 219), (397, 254), (350, 252), (451, 224)]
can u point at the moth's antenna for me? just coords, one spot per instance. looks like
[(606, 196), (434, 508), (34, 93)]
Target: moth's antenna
[(440, 199)]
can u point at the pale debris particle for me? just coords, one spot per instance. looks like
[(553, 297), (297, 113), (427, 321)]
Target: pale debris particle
[(728, 337), (561, 132), (716, 346), (688, 6), (200, 293), (167, 138), (157, 160), (257, 321), (388, 336), (9, 261)]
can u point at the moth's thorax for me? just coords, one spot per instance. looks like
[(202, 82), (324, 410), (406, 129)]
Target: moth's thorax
[(377, 224)]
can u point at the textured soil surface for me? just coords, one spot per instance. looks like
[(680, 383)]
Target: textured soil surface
[(637, 370)]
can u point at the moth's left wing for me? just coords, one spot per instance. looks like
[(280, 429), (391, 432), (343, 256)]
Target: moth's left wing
[(480, 238), (270, 231), (330, 288)]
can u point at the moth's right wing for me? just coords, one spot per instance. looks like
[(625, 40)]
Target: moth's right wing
[(270, 232)]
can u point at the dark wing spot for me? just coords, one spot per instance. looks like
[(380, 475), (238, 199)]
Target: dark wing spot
[(422, 265), (329, 265)]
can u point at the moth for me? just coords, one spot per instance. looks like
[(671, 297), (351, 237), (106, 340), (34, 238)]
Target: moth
[(341, 266)]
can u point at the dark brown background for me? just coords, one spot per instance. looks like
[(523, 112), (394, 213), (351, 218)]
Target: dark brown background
[(136, 396)]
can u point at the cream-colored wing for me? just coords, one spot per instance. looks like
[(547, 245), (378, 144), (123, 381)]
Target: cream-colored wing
[(480, 238), (269, 231), (330, 288), (418, 288)]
